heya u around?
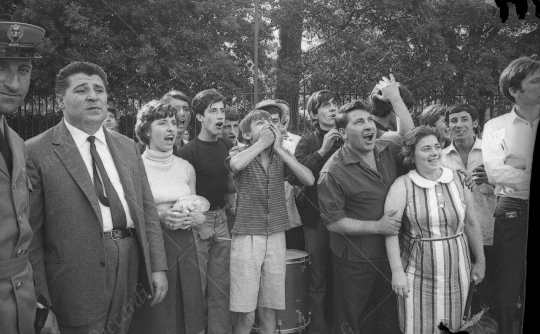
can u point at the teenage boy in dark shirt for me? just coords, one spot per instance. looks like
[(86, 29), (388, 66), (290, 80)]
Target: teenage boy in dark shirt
[(207, 153), (313, 151)]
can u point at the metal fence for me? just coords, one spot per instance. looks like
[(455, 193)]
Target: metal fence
[(39, 113)]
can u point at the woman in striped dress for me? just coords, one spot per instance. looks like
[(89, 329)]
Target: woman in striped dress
[(431, 267)]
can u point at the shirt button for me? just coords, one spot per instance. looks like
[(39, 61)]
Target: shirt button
[(439, 194), (14, 186), (102, 264), (441, 205), (268, 212), (20, 252), (20, 219), (18, 286)]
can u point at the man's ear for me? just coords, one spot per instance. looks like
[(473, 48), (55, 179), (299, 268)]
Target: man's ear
[(313, 116), (514, 92), (199, 117), (60, 101), (475, 124), (342, 133)]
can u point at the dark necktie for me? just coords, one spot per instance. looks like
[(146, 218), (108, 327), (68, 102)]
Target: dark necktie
[(111, 200), (6, 152)]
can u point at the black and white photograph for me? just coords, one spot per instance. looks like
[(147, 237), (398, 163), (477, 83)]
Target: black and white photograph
[(268, 166)]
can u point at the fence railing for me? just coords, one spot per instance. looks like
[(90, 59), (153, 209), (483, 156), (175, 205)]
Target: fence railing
[(38, 113)]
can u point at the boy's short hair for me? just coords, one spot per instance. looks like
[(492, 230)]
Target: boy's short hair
[(206, 98), (459, 107), (431, 114), (341, 118), (383, 108), (76, 67), (515, 72), (114, 111), (317, 99), (231, 114), (253, 116)]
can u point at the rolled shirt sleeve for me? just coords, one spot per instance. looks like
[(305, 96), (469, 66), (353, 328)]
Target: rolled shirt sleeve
[(331, 198)]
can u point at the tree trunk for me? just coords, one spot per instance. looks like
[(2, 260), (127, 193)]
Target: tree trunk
[(289, 67)]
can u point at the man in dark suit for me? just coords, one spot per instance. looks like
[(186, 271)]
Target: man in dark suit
[(17, 293), (97, 248)]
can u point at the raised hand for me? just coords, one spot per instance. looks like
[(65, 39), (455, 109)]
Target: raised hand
[(389, 89), (278, 142), (328, 141), (267, 136)]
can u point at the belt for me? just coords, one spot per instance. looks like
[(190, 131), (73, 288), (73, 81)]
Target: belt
[(518, 201), (119, 234), (418, 238), (12, 267), (217, 207)]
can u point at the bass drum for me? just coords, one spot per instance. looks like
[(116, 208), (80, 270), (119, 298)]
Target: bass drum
[(295, 318)]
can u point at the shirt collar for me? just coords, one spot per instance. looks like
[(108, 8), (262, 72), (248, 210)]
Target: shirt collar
[(446, 176), (80, 137), (514, 117), (476, 146), (351, 157)]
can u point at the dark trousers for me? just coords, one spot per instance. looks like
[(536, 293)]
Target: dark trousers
[(318, 247), (364, 301), (509, 250), (122, 264), (294, 238)]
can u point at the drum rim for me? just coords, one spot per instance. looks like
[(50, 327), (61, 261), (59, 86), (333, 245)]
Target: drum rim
[(288, 330), (302, 259)]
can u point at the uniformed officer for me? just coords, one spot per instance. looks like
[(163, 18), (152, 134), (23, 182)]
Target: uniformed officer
[(17, 295)]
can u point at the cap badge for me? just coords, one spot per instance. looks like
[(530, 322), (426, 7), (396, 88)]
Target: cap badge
[(15, 33)]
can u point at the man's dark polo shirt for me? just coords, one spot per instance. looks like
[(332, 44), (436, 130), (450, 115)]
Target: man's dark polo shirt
[(348, 187)]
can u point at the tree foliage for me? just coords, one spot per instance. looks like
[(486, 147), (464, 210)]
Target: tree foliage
[(436, 48), (148, 47)]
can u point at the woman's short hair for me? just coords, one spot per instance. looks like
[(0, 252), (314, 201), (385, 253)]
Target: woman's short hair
[(150, 112), (342, 119), (62, 78), (410, 141), (206, 98), (431, 114), (514, 73), (253, 116), (176, 94), (317, 99), (383, 108)]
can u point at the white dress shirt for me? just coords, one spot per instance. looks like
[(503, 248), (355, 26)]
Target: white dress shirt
[(509, 136), (290, 141), (483, 196), (81, 140)]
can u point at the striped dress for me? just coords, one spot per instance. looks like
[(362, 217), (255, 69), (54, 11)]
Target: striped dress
[(438, 270)]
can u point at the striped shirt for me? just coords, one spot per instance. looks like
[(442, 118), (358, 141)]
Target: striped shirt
[(260, 196)]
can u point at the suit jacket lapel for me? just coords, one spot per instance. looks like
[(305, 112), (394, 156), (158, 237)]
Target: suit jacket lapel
[(16, 145), (70, 156), (3, 165), (123, 162)]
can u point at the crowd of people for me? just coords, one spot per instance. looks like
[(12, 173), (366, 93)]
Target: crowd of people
[(96, 235)]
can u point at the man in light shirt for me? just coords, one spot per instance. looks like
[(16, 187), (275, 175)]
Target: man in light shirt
[(465, 154), (98, 246), (508, 146)]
